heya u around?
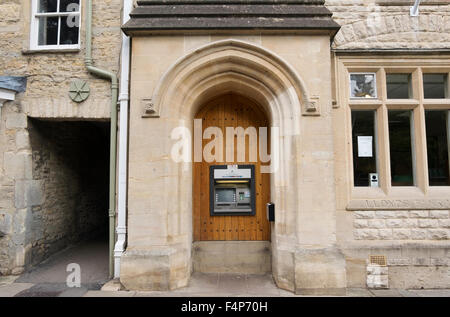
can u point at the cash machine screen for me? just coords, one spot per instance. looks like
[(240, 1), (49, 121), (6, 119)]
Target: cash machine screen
[(225, 195)]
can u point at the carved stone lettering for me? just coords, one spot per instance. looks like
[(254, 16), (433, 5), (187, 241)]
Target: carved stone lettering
[(402, 204)]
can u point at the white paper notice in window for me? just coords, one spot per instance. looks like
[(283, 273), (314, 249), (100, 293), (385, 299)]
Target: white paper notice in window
[(365, 146)]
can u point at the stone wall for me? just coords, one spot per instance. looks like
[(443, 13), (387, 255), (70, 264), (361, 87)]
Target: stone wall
[(27, 191), (50, 73), (386, 24), (402, 225), (49, 76), (159, 255), (415, 243), (412, 264), (412, 232), (17, 189)]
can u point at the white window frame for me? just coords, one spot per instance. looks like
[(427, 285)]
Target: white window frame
[(34, 30)]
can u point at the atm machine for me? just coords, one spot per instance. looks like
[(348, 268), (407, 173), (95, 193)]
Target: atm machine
[(232, 190)]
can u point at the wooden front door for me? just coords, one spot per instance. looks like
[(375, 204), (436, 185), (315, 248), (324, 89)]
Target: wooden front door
[(230, 111)]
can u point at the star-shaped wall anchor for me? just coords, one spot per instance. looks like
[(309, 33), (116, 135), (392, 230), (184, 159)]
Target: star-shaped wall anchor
[(79, 90)]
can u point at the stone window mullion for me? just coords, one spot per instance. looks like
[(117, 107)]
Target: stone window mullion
[(384, 156), (383, 135), (420, 148)]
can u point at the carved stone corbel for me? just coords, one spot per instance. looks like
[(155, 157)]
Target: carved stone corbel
[(312, 107), (149, 110)]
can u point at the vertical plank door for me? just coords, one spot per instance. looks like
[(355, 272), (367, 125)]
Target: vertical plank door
[(230, 110)]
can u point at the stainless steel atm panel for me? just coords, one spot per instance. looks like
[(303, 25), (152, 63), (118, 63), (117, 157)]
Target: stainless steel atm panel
[(232, 190)]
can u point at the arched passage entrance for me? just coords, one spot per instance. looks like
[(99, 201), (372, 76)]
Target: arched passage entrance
[(231, 111)]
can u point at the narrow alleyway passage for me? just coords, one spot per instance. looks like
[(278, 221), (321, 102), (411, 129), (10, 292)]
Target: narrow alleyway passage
[(49, 278)]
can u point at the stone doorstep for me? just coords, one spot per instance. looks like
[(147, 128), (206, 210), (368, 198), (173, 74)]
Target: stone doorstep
[(230, 257)]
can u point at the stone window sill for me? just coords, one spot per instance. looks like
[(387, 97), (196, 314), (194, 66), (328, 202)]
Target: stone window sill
[(51, 51)]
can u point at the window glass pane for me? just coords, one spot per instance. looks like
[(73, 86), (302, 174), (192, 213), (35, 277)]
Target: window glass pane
[(47, 6), (48, 31), (69, 30), (362, 86), (437, 147), (69, 6), (400, 141), (435, 86), (364, 148), (398, 86)]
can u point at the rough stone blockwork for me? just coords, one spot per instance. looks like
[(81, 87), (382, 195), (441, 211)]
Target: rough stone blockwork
[(50, 73), (16, 187), (402, 225), (376, 24)]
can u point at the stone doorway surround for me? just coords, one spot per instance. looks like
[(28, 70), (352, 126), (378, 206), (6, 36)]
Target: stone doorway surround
[(304, 254)]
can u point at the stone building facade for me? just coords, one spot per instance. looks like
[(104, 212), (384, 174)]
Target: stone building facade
[(297, 70), (409, 227), (40, 192)]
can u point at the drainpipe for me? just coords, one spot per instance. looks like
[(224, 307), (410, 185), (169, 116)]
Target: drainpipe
[(414, 10), (113, 139), (123, 144), (6, 95)]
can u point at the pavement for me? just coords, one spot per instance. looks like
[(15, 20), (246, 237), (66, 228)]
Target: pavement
[(246, 285), (48, 279), (201, 285)]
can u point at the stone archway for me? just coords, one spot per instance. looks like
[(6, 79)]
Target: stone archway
[(247, 69), (212, 70)]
